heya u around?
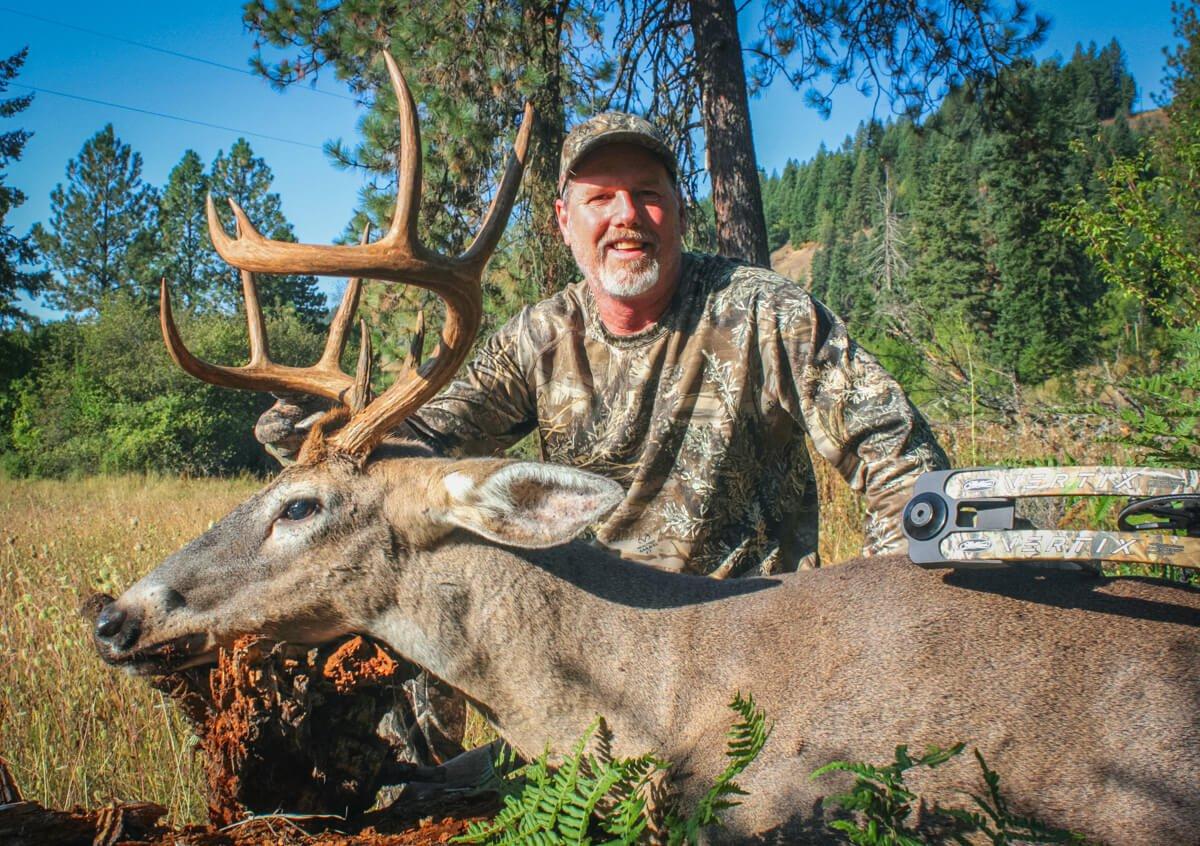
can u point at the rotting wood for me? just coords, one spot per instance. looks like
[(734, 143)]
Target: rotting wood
[(255, 703), (283, 727), (30, 824)]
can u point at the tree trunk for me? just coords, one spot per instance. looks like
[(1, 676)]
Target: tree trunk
[(732, 166), (549, 260)]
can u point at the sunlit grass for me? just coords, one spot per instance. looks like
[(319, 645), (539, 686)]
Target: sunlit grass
[(73, 730)]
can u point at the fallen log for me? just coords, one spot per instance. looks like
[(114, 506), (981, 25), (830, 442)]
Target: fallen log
[(24, 823)]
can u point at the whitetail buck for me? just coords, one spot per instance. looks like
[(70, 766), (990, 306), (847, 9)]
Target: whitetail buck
[(1081, 691)]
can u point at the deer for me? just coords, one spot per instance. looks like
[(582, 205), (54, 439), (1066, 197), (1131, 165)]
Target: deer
[(1082, 691)]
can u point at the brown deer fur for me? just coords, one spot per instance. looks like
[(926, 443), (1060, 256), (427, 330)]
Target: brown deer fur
[(1081, 691)]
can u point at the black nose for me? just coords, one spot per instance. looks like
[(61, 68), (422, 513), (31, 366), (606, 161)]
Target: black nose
[(109, 622), (114, 627)]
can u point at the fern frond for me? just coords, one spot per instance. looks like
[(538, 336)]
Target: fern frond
[(593, 792)]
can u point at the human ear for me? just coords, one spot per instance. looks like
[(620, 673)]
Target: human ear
[(560, 213)]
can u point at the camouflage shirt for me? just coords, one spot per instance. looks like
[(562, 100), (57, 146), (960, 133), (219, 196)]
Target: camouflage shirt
[(700, 417)]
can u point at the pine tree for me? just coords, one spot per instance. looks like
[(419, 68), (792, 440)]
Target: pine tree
[(805, 203), (1045, 291), (949, 276), (185, 257), (15, 250), (778, 192), (832, 189), (246, 179), (101, 237), (865, 182)]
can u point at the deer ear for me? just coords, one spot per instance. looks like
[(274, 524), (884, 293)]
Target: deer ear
[(526, 504)]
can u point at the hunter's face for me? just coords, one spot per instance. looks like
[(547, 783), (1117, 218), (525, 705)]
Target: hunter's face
[(621, 217)]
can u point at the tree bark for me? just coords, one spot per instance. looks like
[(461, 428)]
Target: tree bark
[(725, 109), (549, 259)]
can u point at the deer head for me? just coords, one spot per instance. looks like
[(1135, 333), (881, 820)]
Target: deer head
[(304, 559)]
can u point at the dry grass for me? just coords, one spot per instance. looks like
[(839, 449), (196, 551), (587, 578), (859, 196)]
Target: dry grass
[(75, 731), (72, 729)]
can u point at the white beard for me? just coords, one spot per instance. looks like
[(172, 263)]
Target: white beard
[(629, 280)]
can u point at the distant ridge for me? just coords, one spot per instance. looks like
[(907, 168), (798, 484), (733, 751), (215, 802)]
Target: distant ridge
[(795, 262), (1143, 122)]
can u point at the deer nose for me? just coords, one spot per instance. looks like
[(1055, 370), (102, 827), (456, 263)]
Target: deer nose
[(110, 621), (113, 626)]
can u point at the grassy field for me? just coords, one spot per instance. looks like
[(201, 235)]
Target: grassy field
[(75, 731), (72, 729)]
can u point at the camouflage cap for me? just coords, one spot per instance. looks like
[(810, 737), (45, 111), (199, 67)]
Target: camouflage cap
[(613, 128)]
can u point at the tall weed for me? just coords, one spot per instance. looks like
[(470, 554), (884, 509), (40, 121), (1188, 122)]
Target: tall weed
[(74, 730)]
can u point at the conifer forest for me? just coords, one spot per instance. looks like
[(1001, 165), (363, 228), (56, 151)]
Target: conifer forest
[(1014, 234), (1023, 244)]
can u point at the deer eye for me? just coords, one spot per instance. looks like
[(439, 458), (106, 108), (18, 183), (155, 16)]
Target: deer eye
[(300, 509)]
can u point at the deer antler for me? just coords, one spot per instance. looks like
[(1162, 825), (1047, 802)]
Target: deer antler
[(324, 379), (397, 256)]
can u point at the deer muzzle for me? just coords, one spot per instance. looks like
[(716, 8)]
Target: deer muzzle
[(119, 636)]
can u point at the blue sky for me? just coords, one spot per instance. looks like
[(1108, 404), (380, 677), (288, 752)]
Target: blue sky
[(317, 198)]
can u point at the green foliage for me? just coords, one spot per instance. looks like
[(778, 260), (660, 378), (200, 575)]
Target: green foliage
[(19, 350), (592, 798), (965, 211), (994, 820), (15, 250), (885, 805), (746, 738), (246, 179), (1043, 291), (100, 239), (101, 395), (556, 805), (1141, 231), (880, 795), (1163, 418)]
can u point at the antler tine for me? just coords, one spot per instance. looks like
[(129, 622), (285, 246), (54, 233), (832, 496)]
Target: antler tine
[(361, 395), (408, 168), (463, 295), (506, 194), (398, 256), (260, 352), (339, 327), (260, 374)]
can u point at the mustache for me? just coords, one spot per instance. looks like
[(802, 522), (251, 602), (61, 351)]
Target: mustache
[(629, 235)]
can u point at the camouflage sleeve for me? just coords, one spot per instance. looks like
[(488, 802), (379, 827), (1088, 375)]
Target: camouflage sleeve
[(862, 423), (488, 408)]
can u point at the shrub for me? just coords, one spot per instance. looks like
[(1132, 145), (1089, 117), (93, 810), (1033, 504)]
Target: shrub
[(104, 396)]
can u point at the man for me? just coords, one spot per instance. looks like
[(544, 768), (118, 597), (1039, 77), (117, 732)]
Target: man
[(689, 379)]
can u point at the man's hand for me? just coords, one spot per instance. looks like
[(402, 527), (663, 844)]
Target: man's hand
[(283, 427)]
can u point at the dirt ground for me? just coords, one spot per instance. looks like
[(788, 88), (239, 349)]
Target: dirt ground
[(422, 824)]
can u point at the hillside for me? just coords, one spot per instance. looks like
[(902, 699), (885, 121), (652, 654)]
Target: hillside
[(795, 262)]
